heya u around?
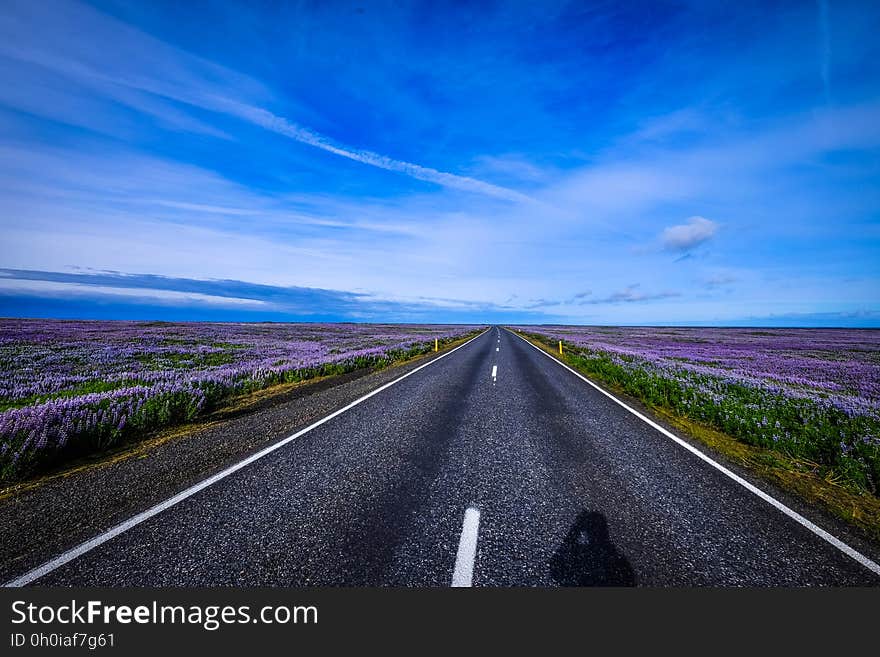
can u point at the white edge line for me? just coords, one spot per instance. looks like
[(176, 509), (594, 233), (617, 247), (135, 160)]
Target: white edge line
[(122, 527), (463, 574), (794, 515)]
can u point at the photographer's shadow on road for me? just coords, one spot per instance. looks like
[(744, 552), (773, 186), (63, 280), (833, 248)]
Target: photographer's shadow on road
[(588, 558)]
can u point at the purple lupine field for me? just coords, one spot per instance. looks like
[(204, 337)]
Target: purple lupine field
[(809, 393), (78, 386)]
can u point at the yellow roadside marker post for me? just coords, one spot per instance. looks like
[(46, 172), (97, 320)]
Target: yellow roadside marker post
[(560, 347), (436, 344)]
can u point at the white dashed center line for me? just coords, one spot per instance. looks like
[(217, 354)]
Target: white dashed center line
[(494, 373), (463, 575)]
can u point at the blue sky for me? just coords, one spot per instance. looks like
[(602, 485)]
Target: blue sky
[(608, 163)]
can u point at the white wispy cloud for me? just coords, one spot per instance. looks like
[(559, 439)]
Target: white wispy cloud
[(66, 289), (279, 124), (632, 294), (183, 78), (684, 237), (720, 280), (153, 290)]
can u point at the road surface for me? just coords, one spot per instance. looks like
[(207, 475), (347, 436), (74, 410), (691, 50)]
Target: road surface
[(491, 466)]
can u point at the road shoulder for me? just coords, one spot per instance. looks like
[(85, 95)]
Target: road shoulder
[(853, 518), (45, 516)]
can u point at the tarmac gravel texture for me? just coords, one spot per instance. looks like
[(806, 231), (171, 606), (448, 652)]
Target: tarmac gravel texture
[(572, 490)]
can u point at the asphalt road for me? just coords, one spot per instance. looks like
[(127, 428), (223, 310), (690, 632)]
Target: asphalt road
[(565, 488)]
